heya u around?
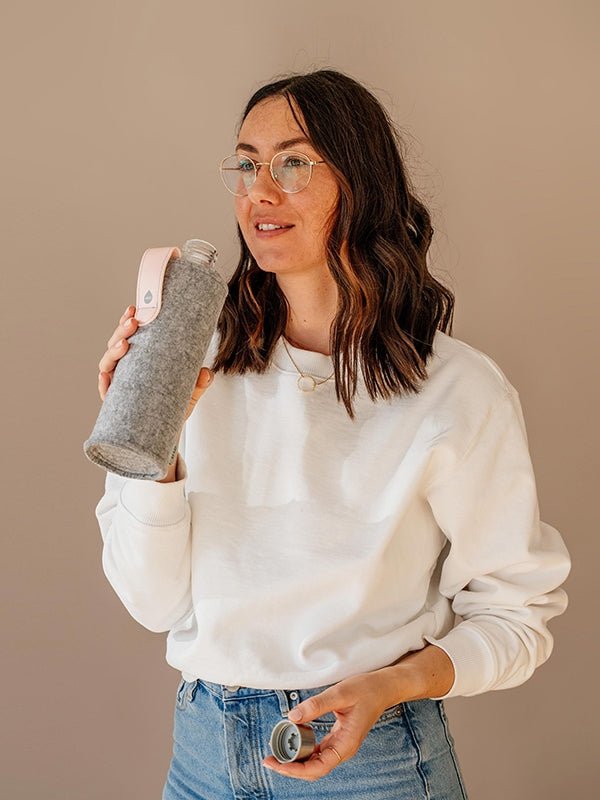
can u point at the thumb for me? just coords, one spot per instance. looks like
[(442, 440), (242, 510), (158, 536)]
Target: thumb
[(314, 707), (205, 378)]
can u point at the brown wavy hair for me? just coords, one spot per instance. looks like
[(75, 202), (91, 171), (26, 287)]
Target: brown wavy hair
[(389, 304)]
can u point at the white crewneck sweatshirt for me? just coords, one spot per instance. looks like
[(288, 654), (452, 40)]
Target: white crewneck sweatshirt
[(299, 547)]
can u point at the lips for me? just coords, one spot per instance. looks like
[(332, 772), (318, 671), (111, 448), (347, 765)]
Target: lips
[(269, 228)]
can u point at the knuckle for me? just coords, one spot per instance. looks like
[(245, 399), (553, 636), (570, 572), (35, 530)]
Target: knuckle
[(315, 700), (312, 705)]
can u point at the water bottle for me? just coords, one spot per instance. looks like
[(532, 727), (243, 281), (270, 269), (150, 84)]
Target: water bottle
[(179, 299)]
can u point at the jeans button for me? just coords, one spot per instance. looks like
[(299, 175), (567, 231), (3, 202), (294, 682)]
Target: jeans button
[(293, 695)]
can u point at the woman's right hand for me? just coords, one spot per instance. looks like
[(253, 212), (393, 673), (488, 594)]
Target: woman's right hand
[(118, 345)]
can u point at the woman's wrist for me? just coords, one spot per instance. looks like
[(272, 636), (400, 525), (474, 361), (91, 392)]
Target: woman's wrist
[(171, 475), (422, 674)]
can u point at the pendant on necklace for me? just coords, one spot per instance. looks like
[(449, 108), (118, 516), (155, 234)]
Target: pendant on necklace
[(306, 383)]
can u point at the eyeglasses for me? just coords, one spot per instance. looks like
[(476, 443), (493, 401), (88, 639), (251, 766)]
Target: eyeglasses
[(291, 171)]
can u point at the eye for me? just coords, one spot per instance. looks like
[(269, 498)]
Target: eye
[(245, 164), (293, 161)]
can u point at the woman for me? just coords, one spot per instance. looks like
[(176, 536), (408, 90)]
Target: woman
[(352, 479)]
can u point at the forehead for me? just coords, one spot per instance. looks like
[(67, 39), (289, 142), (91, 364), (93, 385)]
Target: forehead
[(270, 125)]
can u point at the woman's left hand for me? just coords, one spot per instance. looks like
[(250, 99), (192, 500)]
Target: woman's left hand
[(357, 703)]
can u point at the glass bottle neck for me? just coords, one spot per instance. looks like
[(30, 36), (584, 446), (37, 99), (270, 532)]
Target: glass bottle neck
[(199, 252)]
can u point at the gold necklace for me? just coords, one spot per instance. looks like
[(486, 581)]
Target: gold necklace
[(306, 383)]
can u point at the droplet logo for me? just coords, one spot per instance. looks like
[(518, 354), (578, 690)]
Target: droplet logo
[(148, 297)]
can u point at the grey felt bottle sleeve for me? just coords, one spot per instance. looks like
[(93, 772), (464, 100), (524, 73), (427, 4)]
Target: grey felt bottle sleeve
[(145, 406)]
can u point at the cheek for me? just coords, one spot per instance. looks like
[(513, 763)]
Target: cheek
[(241, 207), (326, 217), (329, 206)]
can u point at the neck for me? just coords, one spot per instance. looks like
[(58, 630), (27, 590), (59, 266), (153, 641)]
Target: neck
[(312, 307)]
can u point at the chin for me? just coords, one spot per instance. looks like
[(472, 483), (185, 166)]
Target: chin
[(276, 269), (271, 264)]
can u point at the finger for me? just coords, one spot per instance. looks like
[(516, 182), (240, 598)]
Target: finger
[(321, 763), (335, 752), (111, 357), (125, 329), (316, 706), (104, 380), (129, 312), (340, 744)]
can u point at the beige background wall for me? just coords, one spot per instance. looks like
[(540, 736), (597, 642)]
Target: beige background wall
[(115, 115)]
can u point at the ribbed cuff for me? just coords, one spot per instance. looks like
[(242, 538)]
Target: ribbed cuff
[(473, 670), (156, 504)]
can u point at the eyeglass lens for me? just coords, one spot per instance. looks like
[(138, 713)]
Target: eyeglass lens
[(291, 171)]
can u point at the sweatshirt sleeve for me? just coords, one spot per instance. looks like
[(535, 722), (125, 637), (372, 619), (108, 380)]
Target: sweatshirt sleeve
[(145, 526), (504, 565)]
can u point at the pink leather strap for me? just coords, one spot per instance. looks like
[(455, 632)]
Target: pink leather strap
[(150, 282)]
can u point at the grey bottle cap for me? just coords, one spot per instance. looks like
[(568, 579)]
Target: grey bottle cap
[(290, 742)]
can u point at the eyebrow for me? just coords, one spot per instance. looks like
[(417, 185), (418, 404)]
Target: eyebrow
[(285, 145)]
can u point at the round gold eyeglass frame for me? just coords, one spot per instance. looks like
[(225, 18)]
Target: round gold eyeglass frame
[(269, 164)]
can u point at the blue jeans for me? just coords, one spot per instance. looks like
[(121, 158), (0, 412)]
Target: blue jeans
[(222, 735)]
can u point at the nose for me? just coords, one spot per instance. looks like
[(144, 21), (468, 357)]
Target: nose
[(264, 189)]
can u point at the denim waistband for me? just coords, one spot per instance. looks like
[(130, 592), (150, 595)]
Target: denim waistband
[(288, 698)]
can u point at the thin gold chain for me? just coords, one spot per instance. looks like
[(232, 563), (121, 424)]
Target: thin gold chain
[(306, 383)]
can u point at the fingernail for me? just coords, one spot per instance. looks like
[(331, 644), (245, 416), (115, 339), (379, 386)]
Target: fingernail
[(120, 344), (295, 715), (129, 322)]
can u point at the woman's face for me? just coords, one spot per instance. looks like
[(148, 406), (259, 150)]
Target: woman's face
[(298, 244)]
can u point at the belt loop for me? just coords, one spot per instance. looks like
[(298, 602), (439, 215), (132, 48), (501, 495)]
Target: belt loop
[(284, 703), (191, 688)]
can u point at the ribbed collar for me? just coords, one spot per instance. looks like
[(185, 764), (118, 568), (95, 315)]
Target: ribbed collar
[(315, 364)]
